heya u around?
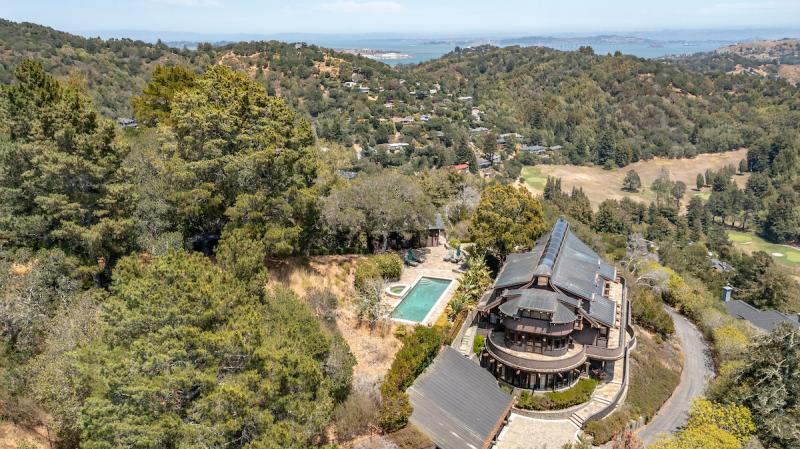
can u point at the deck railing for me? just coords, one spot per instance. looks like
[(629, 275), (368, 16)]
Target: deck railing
[(623, 392), (502, 355)]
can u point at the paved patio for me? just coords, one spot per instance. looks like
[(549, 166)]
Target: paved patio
[(435, 266), (523, 432)]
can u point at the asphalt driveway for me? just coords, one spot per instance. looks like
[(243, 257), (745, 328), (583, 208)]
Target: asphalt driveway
[(698, 369)]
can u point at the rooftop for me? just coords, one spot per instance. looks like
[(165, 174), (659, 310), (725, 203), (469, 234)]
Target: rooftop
[(572, 266), (766, 320), (540, 300), (456, 403)]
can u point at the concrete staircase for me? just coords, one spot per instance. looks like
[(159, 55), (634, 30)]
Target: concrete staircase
[(466, 343), (600, 400)]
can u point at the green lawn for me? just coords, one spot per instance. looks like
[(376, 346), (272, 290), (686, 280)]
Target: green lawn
[(782, 254), (703, 195), (534, 177)]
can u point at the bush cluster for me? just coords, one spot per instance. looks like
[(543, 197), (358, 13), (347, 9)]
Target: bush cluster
[(384, 266), (418, 351), (558, 400), (477, 344), (604, 430), (648, 310)]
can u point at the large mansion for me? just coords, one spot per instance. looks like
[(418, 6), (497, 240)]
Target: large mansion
[(554, 314)]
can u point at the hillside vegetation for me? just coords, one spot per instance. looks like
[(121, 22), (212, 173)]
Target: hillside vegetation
[(608, 110)]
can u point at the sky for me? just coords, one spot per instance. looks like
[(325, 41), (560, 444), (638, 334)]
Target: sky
[(430, 17)]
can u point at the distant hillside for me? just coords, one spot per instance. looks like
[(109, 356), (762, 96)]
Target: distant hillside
[(764, 58), (783, 51), (589, 103), (113, 70), (606, 110)]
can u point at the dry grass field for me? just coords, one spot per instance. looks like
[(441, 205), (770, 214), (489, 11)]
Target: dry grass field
[(600, 184)]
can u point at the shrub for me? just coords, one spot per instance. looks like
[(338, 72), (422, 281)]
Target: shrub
[(411, 438), (395, 411), (729, 342), (418, 351), (531, 401), (354, 416), (477, 344), (390, 266), (604, 430), (649, 313), (385, 266), (558, 400), (366, 271)]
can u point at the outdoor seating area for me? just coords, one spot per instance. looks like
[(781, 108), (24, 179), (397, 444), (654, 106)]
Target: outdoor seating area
[(422, 264), (455, 255)]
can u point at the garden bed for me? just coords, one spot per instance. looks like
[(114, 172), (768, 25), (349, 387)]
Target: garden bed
[(558, 400)]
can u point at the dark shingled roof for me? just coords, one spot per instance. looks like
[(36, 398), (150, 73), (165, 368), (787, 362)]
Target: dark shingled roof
[(577, 268), (517, 270), (456, 403), (766, 320), (603, 310), (538, 299), (573, 267)]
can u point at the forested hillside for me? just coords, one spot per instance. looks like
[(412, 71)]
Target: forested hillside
[(144, 294), (601, 109), (612, 109)]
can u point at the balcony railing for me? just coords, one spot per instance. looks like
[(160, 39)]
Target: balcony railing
[(496, 348)]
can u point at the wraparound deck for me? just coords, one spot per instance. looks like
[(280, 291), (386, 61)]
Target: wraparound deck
[(530, 361)]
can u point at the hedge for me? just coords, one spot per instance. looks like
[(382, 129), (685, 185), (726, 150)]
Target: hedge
[(558, 400), (418, 351), (385, 266), (648, 311), (477, 344), (605, 430), (390, 266)]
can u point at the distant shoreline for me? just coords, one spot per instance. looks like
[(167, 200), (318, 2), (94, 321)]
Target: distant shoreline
[(387, 55)]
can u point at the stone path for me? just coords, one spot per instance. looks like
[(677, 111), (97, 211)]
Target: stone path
[(601, 398)]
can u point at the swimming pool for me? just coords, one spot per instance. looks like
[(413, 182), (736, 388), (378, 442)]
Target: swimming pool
[(419, 301)]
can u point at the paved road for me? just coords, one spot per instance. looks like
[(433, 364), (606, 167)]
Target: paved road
[(697, 371)]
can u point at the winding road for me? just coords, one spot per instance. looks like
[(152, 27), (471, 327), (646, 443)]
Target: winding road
[(697, 371)]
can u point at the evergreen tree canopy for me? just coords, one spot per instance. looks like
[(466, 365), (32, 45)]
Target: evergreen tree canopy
[(240, 159), (61, 178), (191, 357), (767, 384), (154, 105)]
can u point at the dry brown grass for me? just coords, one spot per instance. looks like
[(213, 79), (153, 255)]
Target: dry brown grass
[(790, 72), (13, 436), (374, 349), (21, 269), (600, 184)]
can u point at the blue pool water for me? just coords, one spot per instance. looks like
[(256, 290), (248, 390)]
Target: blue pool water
[(420, 299)]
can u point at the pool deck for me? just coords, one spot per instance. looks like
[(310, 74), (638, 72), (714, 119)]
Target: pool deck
[(434, 267)]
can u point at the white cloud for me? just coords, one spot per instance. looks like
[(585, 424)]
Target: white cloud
[(190, 2), (363, 7)]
